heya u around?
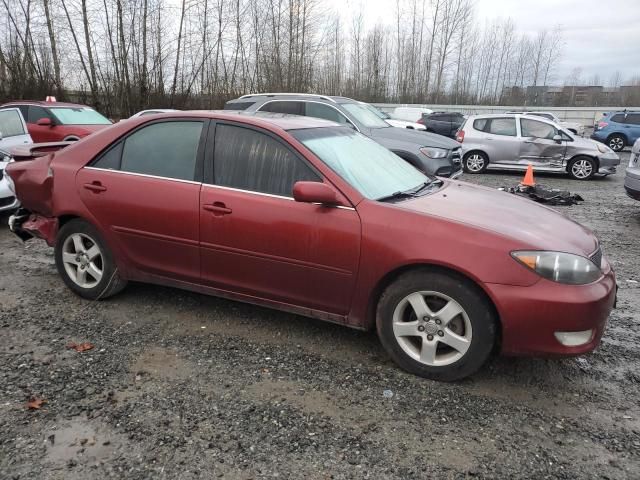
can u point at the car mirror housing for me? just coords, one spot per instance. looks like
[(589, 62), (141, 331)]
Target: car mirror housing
[(557, 138), (316, 192), (44, 122)]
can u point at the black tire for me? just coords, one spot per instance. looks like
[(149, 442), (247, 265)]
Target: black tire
[(578, 165), (479, 313), (616, 142), (110, 282), (475, 155)]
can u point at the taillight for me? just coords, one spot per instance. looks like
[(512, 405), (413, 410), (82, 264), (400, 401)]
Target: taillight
[(602, 125), (460, 136), (420, 121)]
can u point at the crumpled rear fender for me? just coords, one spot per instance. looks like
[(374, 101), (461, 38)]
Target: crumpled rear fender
[(33, 181), (27, 225)]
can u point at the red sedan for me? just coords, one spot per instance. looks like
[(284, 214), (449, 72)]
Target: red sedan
[(58, 121), (303, 215)]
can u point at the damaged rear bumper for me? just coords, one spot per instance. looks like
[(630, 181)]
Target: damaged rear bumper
[(27, 225)]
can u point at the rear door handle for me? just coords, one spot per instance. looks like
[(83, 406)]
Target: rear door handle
[(217, 208), (95, 187)]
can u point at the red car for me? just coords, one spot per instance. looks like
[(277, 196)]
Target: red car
[(57, 121), (307, 216)]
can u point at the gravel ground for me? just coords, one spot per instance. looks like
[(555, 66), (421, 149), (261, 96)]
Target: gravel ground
[(182, 386)]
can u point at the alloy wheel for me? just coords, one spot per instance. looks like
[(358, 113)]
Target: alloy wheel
[(582, 169), (616, 144), (432, 328), (82, 259), (475, 162)]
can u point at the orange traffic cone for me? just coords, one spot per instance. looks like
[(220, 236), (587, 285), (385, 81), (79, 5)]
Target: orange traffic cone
[(528, 178)]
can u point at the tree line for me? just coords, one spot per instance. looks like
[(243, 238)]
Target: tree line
[(127, 55)]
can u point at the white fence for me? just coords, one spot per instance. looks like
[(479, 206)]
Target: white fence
[(586, 116)]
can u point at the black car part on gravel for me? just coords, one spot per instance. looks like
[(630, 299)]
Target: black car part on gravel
[(544, 194)]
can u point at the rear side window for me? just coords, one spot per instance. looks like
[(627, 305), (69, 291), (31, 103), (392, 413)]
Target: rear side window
[(250, 160), (292, 108), (237, 105), (167, 149), (496, 126), (633, 118), (618, 117), (531, 128), (318, 110), (11, 123)]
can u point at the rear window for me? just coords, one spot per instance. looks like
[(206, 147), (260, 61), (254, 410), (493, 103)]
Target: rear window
[(237, 105)]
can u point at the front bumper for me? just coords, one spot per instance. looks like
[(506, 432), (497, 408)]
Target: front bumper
[(632, 183), (531, 316), (608, 163)]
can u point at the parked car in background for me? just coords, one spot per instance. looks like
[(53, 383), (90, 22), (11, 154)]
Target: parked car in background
[(393, 122), (13, 129), (8, 200), (429, 153), (632, 174), (152, 112), (58, 121), (409, 114), (617, 129), (515, 141), (443, 123), (573, 127), (312, 217)]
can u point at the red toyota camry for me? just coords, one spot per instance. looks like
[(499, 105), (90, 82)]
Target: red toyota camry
[(307, 216)]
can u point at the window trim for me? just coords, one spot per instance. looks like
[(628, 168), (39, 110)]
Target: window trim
[(351, 122), (209, 179), (198, 173)]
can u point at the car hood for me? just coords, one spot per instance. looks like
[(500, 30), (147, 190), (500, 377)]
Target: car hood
[(524, 221), (419, 138)]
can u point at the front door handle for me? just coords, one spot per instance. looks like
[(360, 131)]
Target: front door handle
[(95, 187), (217, 208)]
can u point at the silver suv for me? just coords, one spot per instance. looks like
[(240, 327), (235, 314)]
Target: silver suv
[(430, 153), (513, 141)]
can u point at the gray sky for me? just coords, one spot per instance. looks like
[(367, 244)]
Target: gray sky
[(601, 36)]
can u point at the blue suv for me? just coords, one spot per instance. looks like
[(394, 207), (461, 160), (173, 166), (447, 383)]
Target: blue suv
[(618, 129)]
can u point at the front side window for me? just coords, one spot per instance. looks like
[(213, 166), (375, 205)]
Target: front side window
[(532, 128), (78, 116), (366, 165), (11, 123), (363, 116), (288, 107), (36, 113), (166, 149), (250, 160)]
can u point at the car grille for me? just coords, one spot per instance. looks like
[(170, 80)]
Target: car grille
[(456, 158), (596, 257)]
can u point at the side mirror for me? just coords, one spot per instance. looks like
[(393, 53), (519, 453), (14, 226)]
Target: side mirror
[(315, 192), (557, 138), (44, 122), (0, 135)]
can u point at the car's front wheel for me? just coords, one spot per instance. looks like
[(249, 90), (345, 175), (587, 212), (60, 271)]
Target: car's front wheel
[(436, 325), (475, 162), (85, 263), (582, 168), (616, 142)]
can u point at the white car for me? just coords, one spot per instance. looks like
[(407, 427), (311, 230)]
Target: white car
[(394, 123), (152, 111), (574, 127), (409, 114), (13, 132)]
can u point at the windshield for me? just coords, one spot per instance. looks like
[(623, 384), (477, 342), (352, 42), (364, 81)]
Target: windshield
[(375, 111), (78, 116), (366, 165), (364, 116)]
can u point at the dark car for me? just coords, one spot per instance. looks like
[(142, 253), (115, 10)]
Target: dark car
[(443, 123), (311, 217), (58, 121), (429, 153)]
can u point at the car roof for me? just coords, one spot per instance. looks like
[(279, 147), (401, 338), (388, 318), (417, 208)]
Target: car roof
[(283, 121), (293, 96), (514, 115), (42, 104)]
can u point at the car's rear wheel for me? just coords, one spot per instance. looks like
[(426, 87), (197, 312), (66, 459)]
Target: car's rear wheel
[(85, 263), (436, 325), (582, 168), (475, 162), (616, 142)]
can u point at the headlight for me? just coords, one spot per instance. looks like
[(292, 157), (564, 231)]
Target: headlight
[(602, 148), (433, 152), (560, 267)]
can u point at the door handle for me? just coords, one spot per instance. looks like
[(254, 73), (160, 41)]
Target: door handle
[(217, 208), (95, 187)]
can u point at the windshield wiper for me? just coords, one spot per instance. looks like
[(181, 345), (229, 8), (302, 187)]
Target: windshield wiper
[(423, 186), (395, 196), (410, 193)]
